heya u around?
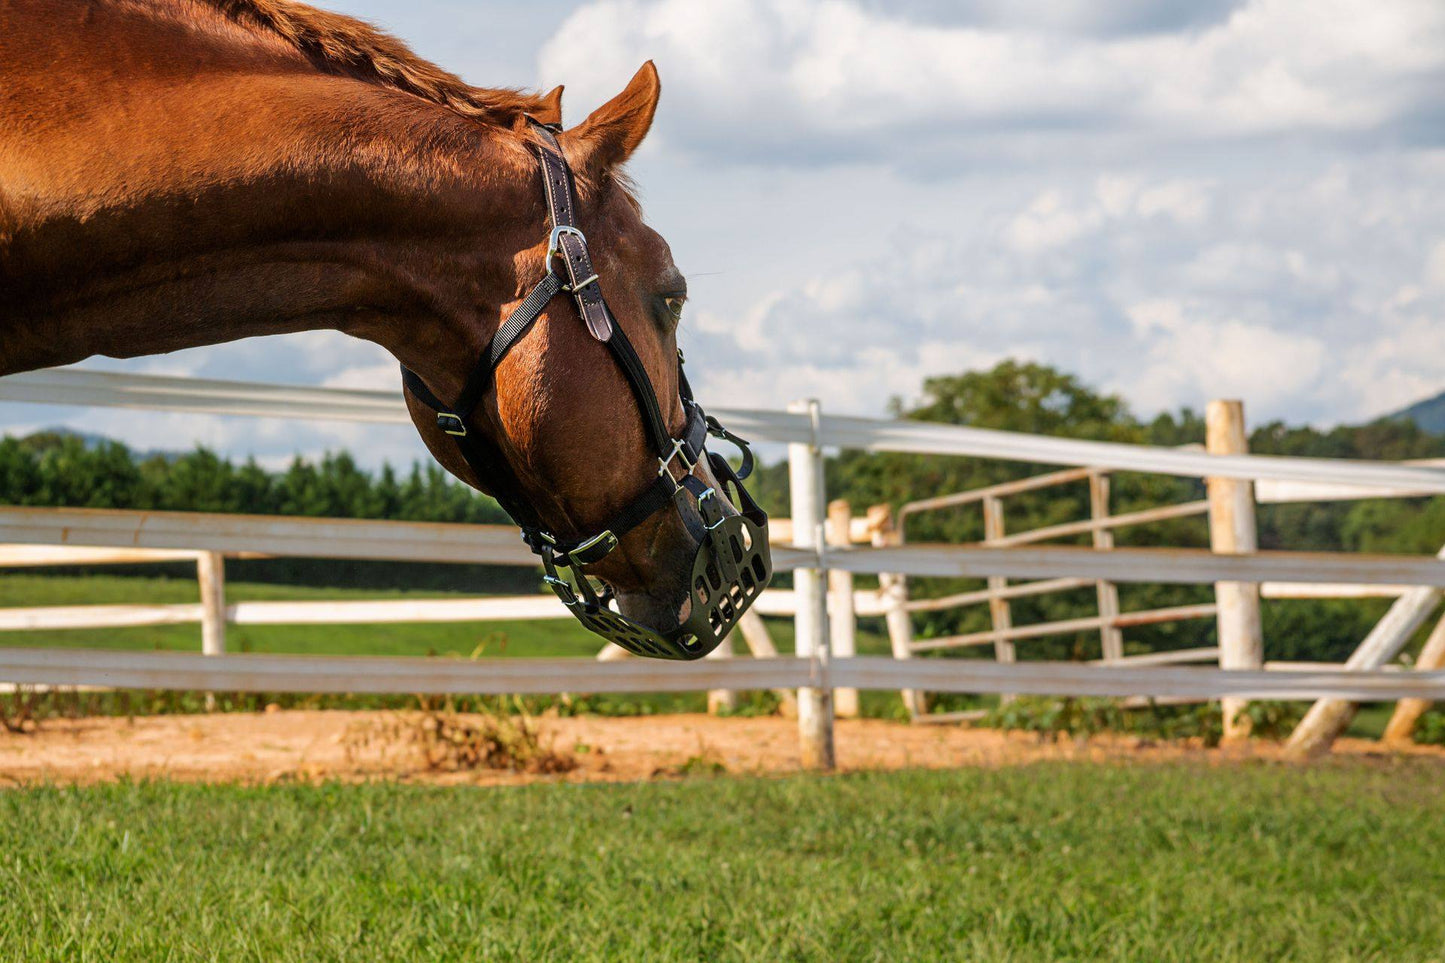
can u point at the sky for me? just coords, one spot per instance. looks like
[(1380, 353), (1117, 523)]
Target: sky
[(1176, 200)]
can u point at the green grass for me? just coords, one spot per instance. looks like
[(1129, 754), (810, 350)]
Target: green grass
[(1047, 862)]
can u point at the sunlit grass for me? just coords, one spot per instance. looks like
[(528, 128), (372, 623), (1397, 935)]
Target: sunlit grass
[(1046, 862)]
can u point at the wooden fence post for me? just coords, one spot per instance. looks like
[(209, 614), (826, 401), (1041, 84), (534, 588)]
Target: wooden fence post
[(842, 620), (1329, 718), (1401, 727), (211, 578), (1111, 637), (211, 574), (893, 589), (805, 492), (1232, 531), (999, 610)]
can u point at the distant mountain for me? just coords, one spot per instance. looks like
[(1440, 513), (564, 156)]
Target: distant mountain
[(1428, 414)]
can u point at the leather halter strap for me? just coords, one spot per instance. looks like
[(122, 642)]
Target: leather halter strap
[(567, 244)]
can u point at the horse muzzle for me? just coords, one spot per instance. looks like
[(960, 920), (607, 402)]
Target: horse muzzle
[(731, 567)]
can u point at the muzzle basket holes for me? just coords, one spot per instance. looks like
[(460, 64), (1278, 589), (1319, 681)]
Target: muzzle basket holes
[(616, 628)]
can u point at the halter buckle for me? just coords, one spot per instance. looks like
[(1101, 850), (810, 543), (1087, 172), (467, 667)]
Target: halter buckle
[(709, 509), (451, 424), (554, 247), (594, 549), (679, 451)]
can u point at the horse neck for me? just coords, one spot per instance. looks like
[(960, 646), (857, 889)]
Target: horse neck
[(233, 205)]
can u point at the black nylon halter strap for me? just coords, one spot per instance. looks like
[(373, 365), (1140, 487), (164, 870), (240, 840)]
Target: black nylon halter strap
[(507, 335)]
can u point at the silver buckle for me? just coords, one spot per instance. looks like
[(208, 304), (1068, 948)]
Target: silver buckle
[(554, 246), (702, 509), (451, 424), (679, 451), (602, 537)]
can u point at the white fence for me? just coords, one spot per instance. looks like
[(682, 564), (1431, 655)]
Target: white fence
[(814, 673)]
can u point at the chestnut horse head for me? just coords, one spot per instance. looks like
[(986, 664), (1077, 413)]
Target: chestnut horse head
[(176, 173), (588, 434)]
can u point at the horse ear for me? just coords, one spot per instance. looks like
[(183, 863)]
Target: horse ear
[(551, 109), (613, 131)]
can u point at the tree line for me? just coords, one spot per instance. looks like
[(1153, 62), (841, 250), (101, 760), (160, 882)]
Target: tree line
[(60, 469)]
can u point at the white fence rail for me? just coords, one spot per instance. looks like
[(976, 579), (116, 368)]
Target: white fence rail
[(79, 387), (816, 673), (376, 674), (499, 545), (348, 612)]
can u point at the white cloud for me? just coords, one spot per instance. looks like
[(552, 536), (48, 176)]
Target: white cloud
[(1435, 266), (1048, 223), (1401, 364), (1186, 358), (1170, 290), (370, 377), (770, 79)]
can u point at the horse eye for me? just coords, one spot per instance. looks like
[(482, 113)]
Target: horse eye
[(674, 306)]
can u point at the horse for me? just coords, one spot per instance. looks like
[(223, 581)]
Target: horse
[(176, 173)]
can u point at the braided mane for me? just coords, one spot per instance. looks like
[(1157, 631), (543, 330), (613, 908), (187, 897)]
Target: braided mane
[(340, 44)]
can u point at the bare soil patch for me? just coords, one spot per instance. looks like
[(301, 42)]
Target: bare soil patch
[(314, 745)]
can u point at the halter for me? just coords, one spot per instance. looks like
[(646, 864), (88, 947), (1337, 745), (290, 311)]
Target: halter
[(732, 564)]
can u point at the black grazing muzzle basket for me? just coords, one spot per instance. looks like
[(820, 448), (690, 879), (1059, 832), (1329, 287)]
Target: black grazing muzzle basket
[(732, 566)]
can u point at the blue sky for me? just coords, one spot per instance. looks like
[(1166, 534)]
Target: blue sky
[(1175, 200)]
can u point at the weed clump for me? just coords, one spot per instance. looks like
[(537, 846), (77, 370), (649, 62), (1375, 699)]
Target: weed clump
[(17, 710), (449, 742)]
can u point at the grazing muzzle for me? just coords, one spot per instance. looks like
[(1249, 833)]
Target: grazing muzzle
[(731, 567), (732, 564)]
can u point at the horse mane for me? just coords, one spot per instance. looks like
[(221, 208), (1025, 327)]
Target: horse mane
[(344, 45)]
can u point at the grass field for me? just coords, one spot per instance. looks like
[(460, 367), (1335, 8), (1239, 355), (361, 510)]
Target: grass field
[(1045, 862)]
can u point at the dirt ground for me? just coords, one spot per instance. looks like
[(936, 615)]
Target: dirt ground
[(312, 745)]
